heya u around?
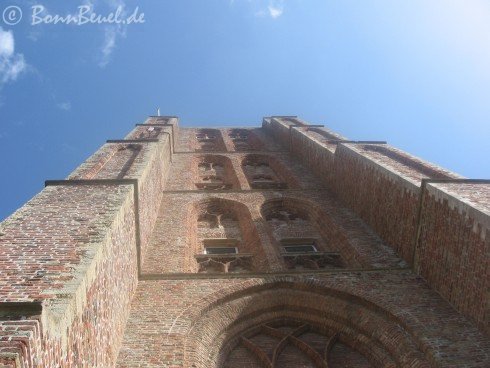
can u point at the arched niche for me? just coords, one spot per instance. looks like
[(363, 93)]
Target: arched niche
[(308, 322), (244, 140), (307, 236), (214, 172), (267, 172), (209, 140), (223, 238)]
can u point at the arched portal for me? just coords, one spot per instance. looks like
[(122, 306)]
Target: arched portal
[(297, 321)]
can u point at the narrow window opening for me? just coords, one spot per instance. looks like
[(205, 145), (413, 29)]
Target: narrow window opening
[(307, 248), (299, 245), (221, 250), (220, 246)]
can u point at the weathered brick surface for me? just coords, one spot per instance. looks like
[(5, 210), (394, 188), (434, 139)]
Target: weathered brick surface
[(279, 129), (382, 185), (20, 342), (48, 237), (388, 316), (171, 248), (61, 252), (380, 197), (315, 148), (184, 172), (454, 245), (258, 140)]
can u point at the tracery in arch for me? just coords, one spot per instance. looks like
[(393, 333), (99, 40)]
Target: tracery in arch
[(265, 172), (224, 238), (297, 235), (215, 172), (244, 140), (288, 343), (209, 140)]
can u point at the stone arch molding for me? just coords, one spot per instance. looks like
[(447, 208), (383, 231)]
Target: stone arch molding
[(216, 325)]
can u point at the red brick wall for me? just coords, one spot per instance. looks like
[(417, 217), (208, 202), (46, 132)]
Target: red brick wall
[(381, 184), (387, 202), (182, 170), (387, 312), (453, 248), (279, 130), (317, 155), (68, 260), (170, 249)]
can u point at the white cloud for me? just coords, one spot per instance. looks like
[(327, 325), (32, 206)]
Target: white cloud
[(6, 43), (108, 46), (11, 64), (112, 33), (65, 106), (275, 11), (269, 8)]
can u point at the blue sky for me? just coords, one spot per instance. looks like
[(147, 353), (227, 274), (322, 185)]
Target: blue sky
[(415, 73)]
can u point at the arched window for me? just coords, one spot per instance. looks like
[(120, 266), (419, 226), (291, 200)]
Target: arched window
[(297, 235), (215, 172), (244, 140), (224, 239), (209, 140), (265, 172)]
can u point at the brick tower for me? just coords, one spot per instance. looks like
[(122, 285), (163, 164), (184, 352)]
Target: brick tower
[(282, 246)]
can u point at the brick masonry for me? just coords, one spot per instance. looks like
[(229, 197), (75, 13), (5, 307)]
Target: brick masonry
[(111, 267)]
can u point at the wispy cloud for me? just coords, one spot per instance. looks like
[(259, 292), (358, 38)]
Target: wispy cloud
[(112, 33), (266, 8), (12, 64), (65, 106)]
